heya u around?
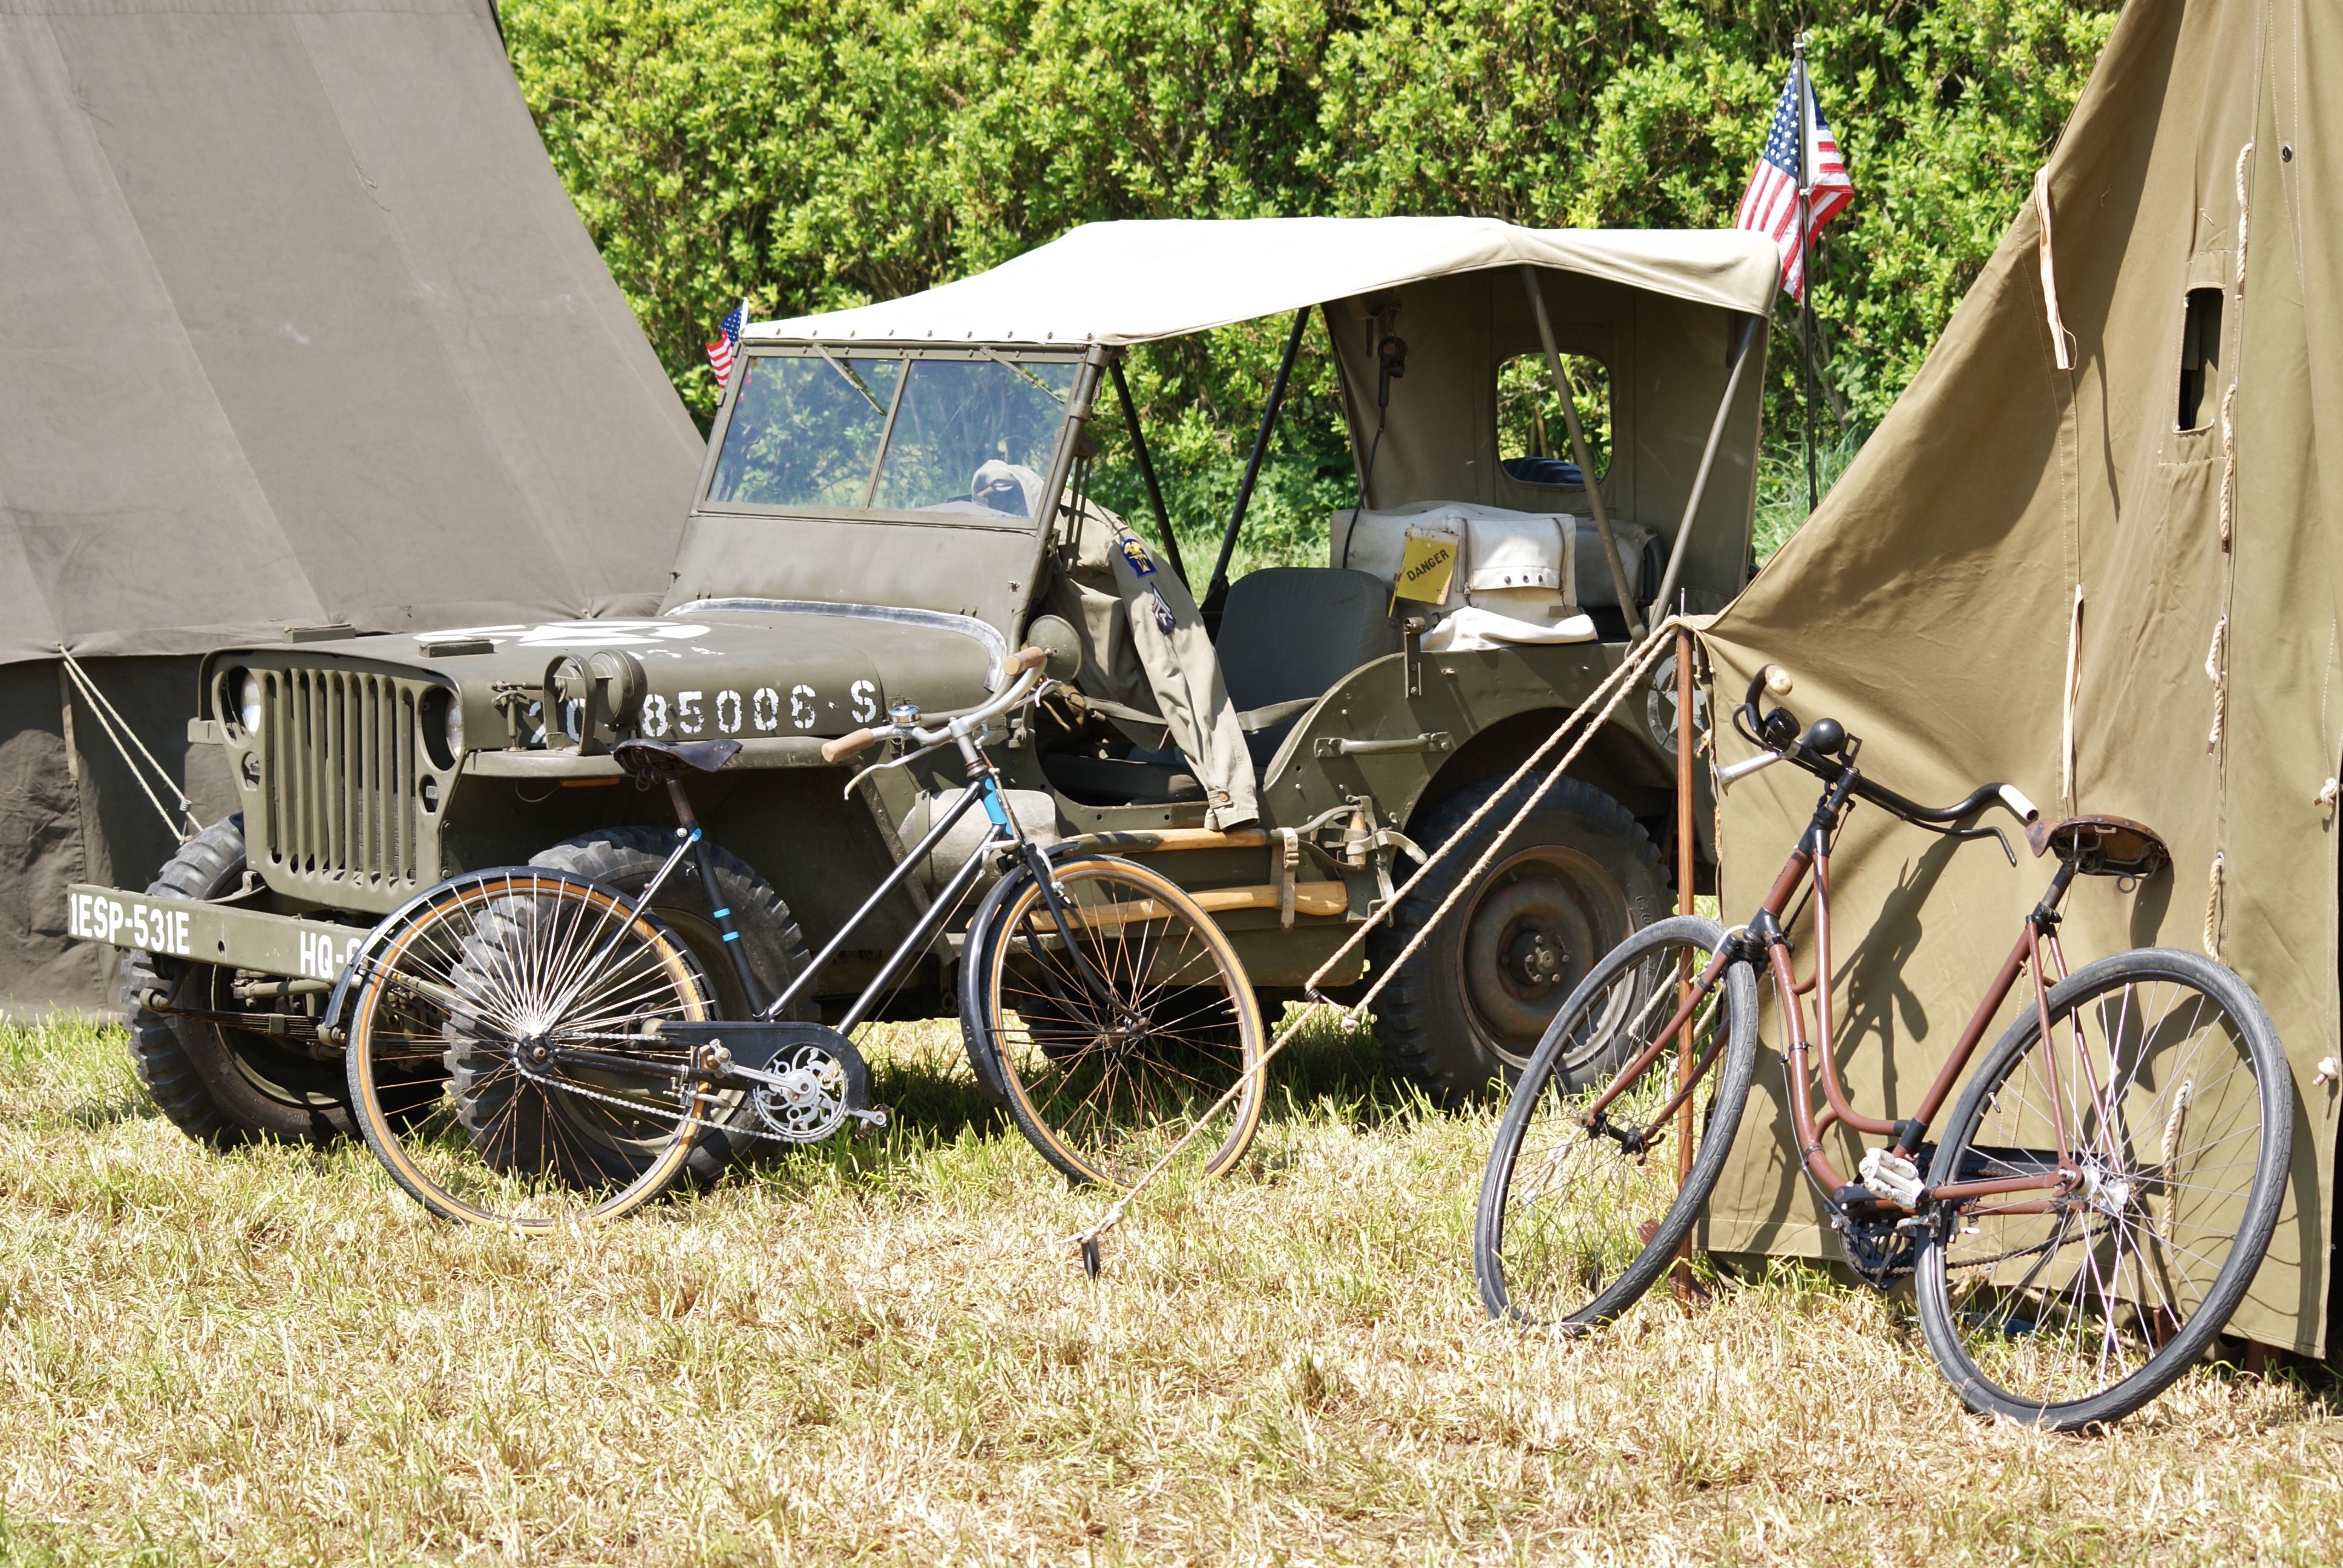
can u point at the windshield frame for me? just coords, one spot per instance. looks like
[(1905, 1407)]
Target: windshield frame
[(841, 349)]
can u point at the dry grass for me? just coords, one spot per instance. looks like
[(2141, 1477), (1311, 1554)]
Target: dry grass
[(880, 1355)]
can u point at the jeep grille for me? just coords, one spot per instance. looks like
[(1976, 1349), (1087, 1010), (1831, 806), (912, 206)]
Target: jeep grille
[(341, 808)]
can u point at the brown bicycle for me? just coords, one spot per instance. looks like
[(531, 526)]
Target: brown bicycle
[(2079, 1228)]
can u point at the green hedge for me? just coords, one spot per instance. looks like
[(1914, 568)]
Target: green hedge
[(817, 155)]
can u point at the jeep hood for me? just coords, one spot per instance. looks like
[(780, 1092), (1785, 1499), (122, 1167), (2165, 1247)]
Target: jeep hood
[(752, 669)]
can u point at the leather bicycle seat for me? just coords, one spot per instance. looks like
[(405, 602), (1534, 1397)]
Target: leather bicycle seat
[(2101, 846), (672, 758)]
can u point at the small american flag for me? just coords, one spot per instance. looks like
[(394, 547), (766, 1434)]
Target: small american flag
[(720, 353), (1770, 205)]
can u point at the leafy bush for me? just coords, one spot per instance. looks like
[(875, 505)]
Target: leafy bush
[(815, 156)]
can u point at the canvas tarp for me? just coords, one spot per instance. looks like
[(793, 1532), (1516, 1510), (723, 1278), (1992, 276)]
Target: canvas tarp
[(1928, 604), (1140, 280), (300, 327)]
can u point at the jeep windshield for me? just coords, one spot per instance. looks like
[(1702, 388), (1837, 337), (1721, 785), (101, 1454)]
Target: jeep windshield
[(846, 428)]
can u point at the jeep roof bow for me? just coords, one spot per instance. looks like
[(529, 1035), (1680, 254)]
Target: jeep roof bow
[(954, 411)]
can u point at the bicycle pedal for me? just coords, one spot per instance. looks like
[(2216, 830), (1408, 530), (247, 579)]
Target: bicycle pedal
[(872, 1125)]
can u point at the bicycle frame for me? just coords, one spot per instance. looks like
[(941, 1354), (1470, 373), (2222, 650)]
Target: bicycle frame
[(1809, 862), (983, 788)]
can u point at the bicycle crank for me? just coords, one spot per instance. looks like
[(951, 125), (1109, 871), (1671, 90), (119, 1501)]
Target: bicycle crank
[(804, 1081)]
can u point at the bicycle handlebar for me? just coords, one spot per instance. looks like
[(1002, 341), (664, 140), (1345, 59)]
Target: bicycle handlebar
[(1025, 666), (1817, 750)]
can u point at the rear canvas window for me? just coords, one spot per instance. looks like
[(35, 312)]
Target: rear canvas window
[(1533, 441)]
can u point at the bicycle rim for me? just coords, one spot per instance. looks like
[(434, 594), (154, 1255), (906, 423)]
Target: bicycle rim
[(1573, 1224), (457, 1057), (1118, 1040), (2176, 1105)]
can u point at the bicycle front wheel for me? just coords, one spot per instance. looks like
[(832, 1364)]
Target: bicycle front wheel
[(1121, 1023), (2163, 1081), (504, 1058), (1576, 1220)]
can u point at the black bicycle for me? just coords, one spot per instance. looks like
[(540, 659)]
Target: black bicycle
[(529, 1050)]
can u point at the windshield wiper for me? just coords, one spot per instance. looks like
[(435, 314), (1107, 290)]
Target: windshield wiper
[(1029, 376), (851, 379)]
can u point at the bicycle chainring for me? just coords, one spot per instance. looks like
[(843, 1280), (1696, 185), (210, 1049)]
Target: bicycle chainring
[(1879, 1253), (809, 1102)]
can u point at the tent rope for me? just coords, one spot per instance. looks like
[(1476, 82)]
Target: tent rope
[(2074, 687), (116, 727), (1617, 684), (2058, 333), (2213, 908), (2245, 219), (2229, 459), (2215, 671)]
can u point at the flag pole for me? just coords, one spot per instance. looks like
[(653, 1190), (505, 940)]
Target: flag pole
[(1806, 278)]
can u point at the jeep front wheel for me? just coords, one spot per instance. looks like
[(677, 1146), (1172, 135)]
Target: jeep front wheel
[(222, 1084), (1572, 881)]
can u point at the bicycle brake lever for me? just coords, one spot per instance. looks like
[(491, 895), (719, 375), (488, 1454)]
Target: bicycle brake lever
[(848, 793), (1994, 833)]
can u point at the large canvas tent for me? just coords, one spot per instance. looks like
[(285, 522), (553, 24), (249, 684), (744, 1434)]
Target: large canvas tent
[(2147, 508), (297, 326)]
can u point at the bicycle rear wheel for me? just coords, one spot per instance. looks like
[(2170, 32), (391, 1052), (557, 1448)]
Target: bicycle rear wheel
[(466, 1061), (2175, 1100), (1576, 1222), (1117, 1038)]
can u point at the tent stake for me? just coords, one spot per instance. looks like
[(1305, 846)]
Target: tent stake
[(1568, 393)]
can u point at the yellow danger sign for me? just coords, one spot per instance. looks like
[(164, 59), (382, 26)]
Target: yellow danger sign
[(1424, 568)]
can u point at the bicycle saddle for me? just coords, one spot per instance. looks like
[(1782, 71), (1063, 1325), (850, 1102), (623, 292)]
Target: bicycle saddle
[(648, 760), (2101, 846)]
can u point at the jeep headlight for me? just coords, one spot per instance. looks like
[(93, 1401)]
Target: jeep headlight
[(244, 690), (439, 719)]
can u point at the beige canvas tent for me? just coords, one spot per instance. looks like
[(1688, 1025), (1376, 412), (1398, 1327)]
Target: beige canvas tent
[(2114, 450), (296, 326)]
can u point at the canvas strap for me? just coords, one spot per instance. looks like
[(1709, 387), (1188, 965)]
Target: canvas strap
[(1284, 866), (2058, 334)]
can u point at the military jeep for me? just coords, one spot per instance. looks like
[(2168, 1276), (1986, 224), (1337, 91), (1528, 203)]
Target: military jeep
[(843, 555)]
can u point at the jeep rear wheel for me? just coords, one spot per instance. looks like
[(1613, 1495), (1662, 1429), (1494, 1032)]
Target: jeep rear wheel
[(1578, 878), (222, 1084)]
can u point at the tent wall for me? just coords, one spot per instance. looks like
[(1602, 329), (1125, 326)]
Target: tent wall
[(296, 326), (301, 326), (1930, 603), (72, 810)]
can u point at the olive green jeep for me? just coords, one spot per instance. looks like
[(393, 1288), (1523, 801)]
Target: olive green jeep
[(888, 495)]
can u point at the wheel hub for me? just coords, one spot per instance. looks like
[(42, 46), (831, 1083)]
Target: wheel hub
[(1526, 942), (1535, 958)]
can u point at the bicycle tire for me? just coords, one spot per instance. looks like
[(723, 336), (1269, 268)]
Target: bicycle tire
[(472, 979), (1572, 1227), (1105, 1087), (2018, 1298)]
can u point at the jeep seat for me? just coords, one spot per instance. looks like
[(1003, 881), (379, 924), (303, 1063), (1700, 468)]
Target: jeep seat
[(1290, 632)]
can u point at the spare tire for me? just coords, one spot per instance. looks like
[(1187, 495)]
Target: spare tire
[(218, 1083), (1572, 881)]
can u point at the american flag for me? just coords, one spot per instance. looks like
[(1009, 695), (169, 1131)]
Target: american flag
[(1770, 205), (728, 338)]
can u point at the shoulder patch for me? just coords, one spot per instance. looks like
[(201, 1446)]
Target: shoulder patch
[(1136, 554)]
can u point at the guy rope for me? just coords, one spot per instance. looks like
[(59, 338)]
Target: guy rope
[(1610, 692)]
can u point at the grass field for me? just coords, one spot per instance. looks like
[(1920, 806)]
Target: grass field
[(880, 1354)]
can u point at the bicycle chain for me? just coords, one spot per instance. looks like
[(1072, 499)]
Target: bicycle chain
[(700, 1096)]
